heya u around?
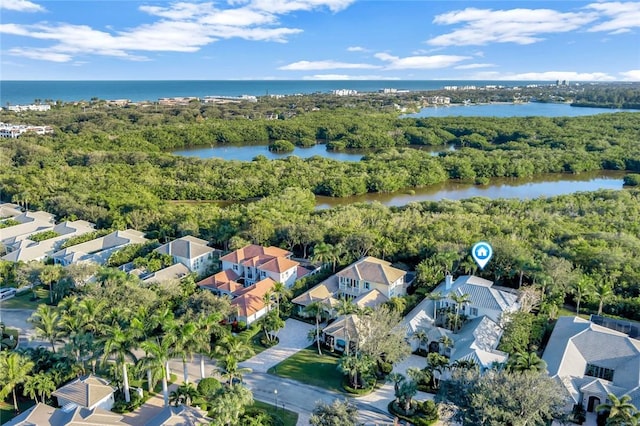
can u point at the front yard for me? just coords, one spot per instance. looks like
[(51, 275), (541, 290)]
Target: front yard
[(23, 300), (308, 367)]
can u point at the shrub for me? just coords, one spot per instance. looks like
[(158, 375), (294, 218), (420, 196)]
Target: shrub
[(208, 386), (121, 406), (281, 146), (419, 418), (632, 179)]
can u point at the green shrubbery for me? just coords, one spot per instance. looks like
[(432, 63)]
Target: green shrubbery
[(281, 146), (632, 179)]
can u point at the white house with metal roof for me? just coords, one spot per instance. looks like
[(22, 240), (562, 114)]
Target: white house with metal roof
[(192, 252), (98, 250), (592, 361)]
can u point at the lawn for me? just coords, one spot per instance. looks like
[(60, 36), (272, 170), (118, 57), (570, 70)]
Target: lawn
[(6, 408), (23, 300), (566, 312), (289, 418), (308, 367)]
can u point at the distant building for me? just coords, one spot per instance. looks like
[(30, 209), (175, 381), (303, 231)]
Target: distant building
[(32, 107), (344, 92), (12, 131)]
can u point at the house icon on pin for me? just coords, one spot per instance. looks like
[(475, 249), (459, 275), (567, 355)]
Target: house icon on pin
[(482, 252)]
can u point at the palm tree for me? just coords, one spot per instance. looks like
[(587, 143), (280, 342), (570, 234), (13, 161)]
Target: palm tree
[(621, 411), (235, 347), (281, 293), (230, 371), (46, 321), (41, 384), (156, 359), (316, 309), (447, 343), (407, 391), (184, 394), (228, 403), (14, 369), (187, 340), (436, 297), (49, 275), (323, 253), (602, 292), (526, 362), (421, 336), (120, 344), (396, 378), (581, 288), (459, 300), (206, 324), (355, 367)]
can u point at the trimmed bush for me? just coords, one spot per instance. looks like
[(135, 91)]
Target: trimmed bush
[(208, 386), (418, 419), (281, 146)]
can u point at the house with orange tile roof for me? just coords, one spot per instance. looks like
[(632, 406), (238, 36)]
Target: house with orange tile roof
[(254, 263), (248, 303)]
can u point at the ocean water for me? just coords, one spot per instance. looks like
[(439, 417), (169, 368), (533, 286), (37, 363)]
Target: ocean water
[(25, 92)]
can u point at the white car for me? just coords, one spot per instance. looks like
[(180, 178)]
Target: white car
[(7, 293)]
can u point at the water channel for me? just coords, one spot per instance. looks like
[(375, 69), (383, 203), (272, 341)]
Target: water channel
[(544, 185)]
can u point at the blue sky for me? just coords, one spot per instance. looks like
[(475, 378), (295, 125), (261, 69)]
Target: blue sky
[(319, 39)]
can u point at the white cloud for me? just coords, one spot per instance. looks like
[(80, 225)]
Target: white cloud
[(619, 17), (21, 6), (181, 27), (521, 26), (631, 75), (324, 65), (41, 54), (473, 66), (347, 77), (544, 76), (356, 49), (419, 62)]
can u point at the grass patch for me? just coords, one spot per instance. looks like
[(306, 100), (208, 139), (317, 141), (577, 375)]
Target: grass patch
[(308, 367), (23, 301), (571, 313), (288, 418), (6, 409)]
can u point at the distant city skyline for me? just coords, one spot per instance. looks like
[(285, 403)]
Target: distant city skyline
[(320, 40)]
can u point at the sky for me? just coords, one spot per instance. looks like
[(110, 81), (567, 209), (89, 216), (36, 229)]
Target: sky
[(319, 40)]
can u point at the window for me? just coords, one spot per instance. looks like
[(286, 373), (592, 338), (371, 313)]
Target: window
[(367, 286), (235, 267), (599, 372), (473, 312)]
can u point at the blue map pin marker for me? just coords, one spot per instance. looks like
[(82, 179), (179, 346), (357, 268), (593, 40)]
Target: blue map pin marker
[(481, 253)]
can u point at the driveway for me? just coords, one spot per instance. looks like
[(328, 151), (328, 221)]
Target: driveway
[(293, 338)]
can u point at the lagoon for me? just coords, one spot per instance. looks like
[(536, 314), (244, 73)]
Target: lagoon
[(544, 185), (530, 109), (248, 151)]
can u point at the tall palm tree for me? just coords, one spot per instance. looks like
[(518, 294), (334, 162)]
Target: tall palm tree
[(581, 288), (120, 344), (229, 370), (235, 347), (421, 336), (323, 253), (281, 293), (602, 291), (447, 343), (41, 384), (396, 378), (46, 321), (157, 355), (14, 369), (206, 324), (621, 411), (49, 275), (316, 309), (436, 297), (459, 300), (187, 341)]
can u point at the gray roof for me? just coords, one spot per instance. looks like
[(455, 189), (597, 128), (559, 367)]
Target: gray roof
[(373, 270), (9, 210), (172, 272), (481, 293), (45, 415), (85, 391), (111, 241), (420, 317), (576, 342), (186, 247), (179, 416), (477, 341)]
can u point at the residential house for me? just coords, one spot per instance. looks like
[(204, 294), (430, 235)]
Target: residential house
[(254, 263), (98, 250), (370, 273), (173, 272), (479, 337), (325, 293), (190, 251), (342, 332), (224, 283), (249, 304), (88, 392), (181, 415), (45, 415), (9, 210), (28, 223), (26, 250), (592, 361)]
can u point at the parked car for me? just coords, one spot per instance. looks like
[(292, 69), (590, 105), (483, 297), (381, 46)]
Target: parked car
[(7, 293)]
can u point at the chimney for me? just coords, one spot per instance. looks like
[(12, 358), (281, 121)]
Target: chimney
[(448, 281)]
